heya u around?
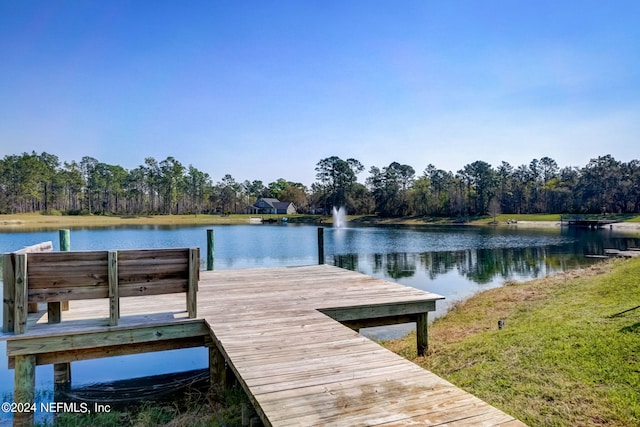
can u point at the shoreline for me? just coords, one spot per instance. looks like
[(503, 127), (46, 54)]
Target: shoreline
[(38, 221), (620, 226)]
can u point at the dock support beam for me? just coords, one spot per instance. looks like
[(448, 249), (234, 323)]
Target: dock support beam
[(24, 388), (422, 336)]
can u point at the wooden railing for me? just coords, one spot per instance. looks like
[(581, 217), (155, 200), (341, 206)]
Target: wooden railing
[(77, 275)]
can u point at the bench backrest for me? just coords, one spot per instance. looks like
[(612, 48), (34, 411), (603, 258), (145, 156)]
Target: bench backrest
[(76, 275), (65, 276)]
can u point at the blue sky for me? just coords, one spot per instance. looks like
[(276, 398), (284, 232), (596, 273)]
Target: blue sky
[(265, 89)]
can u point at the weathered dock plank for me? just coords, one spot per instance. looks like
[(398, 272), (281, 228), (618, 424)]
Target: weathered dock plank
[(301, 367)]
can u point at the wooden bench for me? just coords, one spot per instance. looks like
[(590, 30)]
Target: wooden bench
[(76, 275)]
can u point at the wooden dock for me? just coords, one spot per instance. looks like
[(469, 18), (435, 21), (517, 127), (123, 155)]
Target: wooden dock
[(289, 335), (629, 253), (585, 222)]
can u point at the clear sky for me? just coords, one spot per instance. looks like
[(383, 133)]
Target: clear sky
[(265, 89)]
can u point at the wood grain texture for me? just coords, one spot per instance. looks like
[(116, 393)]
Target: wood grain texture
[(299, 366), (55, 277)]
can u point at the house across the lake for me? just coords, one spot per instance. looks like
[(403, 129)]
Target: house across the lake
[(267, 205)]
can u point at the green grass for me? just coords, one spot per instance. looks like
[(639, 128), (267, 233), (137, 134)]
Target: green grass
[(503, 218), (195, 410), (529, 217), (41, 222), (561, 360)]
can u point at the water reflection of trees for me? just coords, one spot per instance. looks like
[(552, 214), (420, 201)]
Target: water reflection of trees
[(478, 265), (396, 265)]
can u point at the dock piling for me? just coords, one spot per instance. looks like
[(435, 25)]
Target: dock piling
[(24, 388), (192, 282), (114, 296), (61, 371), (65, 240), (217, 369), (65, 246), (422, 335), (320, 245), (210, 250), (9, 293), (20, 301), (61, 380)]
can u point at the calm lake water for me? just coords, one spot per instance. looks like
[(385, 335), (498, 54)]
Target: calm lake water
[(455, 262)]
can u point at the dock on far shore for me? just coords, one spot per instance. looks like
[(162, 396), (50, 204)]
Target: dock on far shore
[(629, 253), (289, 335), (586, 221)]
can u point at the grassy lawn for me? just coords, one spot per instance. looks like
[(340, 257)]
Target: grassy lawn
[(36, 220), (504, 218), (39, 221), (527, 217), (563, 358)]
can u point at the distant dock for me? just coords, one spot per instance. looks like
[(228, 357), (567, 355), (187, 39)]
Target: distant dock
[(629, 253), (585, 222)]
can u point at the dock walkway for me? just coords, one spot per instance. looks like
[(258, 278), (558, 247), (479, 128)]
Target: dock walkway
[(277, 330)]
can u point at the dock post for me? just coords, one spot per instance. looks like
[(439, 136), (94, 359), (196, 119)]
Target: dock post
[(217, 369), (192, 285), (422, 333), (65, 240), (65, 246), (61, 371), (249, 416), (21, 295), (24, 388), (320, 245), (9, 293), (210, 250), (61, 381), (114, 296)]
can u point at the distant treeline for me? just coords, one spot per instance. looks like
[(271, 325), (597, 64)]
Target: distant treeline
[(40, 182)]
